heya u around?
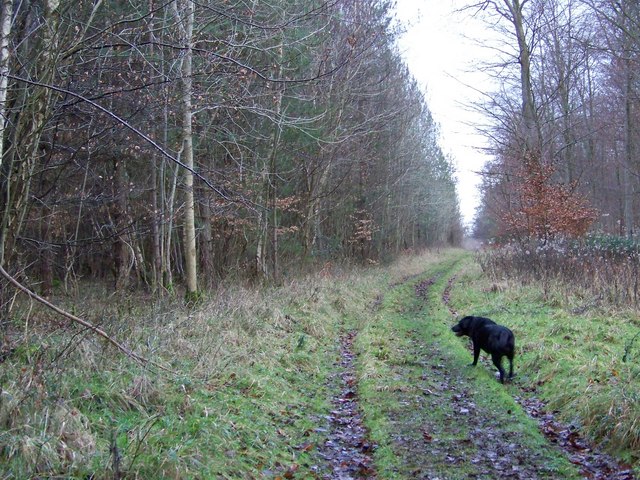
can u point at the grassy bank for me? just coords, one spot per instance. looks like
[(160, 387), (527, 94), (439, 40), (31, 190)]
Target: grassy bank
[(248, 399)]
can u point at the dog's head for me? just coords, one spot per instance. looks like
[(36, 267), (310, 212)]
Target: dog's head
[(463, 327)]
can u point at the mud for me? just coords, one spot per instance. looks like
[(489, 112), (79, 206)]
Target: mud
[(593, 463), (347, 448)]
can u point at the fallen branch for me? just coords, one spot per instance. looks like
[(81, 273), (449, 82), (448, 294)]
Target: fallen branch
[(98, 331)]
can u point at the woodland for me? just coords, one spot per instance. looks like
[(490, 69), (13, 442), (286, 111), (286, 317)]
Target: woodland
[(166, 144), (564, 122), (229, 244)]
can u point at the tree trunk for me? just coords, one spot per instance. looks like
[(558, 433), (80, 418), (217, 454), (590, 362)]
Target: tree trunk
[(206, 243), (28, 127), (272, 188), (530, 123), (156, 181), (5, 32), (190, 253), (119, 208), (627, 188)]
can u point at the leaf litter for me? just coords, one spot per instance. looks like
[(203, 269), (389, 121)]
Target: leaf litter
[(347, 448), (442, 432), (593, 464)]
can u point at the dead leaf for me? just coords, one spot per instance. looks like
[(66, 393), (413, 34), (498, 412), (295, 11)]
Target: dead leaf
[(290, 473)]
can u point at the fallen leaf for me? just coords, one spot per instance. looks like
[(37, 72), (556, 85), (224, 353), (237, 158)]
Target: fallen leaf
[(290, 473)]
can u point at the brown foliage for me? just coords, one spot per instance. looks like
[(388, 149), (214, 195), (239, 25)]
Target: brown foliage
[(544, 209)]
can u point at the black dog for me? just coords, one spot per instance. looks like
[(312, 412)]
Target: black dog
[(490, 337)]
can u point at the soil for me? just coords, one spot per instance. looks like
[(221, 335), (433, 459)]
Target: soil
[(446, 296), (347, 448), (593, 463), (465, 433)]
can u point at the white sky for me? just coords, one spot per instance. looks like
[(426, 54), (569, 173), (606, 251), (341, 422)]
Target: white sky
[(441, 55)]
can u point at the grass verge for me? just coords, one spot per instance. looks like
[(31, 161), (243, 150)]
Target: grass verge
[(249, 392)]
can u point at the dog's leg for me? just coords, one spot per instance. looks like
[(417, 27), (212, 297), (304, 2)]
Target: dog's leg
[(476, 353), (497, 361)]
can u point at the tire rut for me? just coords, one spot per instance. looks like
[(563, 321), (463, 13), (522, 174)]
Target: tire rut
[(347, 448), (442, 426)]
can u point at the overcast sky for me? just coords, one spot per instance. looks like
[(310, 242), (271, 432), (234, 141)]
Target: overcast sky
[(441, 55)]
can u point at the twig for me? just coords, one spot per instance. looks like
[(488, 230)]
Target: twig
[(131, 354)]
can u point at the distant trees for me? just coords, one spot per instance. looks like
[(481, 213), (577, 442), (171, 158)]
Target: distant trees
[(583, 59), (151, 143)]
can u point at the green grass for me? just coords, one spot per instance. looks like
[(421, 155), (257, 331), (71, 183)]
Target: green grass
[(575, 361), (249, 400), (250, 389), (415, 382), (256, 421), (251, 393)]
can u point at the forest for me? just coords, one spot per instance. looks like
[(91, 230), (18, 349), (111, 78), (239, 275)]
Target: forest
[(230, 244), (563, 122), (169, 144)]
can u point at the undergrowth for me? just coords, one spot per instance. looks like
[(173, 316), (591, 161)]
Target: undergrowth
[(249, 376), (248, 397), (249, 393), (597, 270)]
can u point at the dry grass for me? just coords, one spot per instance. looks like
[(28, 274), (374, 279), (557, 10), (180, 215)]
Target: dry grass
[(67, 396), (592, 272)]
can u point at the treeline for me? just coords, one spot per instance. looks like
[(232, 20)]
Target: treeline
[(165, 142), (564, 122)]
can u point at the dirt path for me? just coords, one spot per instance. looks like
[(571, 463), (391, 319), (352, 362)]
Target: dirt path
[(347, 448), (592, 463), (445, 427)]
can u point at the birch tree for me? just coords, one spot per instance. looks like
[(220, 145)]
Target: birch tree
[(30, 111), (6, 17), (185, 14)]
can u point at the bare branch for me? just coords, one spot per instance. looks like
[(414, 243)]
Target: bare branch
[(98, 331), (127, 125)]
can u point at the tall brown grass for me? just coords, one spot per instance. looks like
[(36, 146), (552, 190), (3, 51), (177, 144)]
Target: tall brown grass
[(599, 272)]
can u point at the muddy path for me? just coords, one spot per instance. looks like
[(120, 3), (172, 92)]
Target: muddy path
[(347, 448), (592, 463), (442, 422), (445, 426)]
